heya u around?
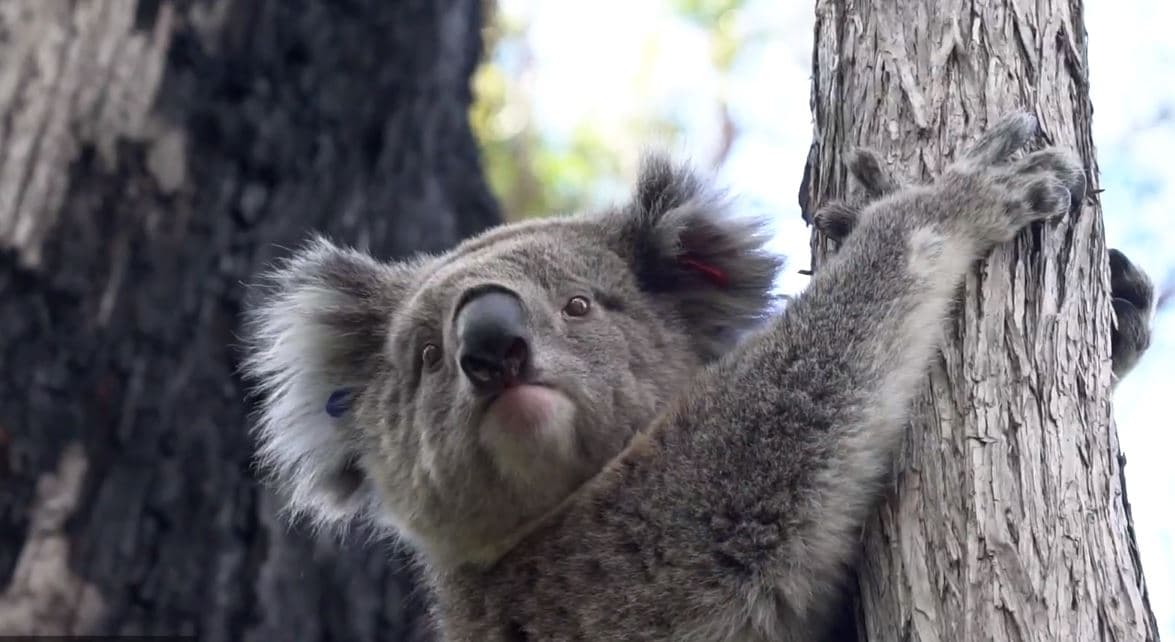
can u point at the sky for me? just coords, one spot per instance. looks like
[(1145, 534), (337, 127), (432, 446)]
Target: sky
[(1132, 85), (585, 69)]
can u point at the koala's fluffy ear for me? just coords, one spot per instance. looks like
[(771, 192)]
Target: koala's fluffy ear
[(686, 245), (315, 334)]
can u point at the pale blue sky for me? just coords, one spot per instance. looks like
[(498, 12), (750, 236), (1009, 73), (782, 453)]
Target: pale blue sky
[(588, 66), (1132, 81)]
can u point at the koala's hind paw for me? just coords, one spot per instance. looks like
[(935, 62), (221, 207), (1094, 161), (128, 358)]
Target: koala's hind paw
[(1133, 297)]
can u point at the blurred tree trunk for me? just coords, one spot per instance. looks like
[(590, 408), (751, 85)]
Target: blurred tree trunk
[(1007, 517), (154, 155)]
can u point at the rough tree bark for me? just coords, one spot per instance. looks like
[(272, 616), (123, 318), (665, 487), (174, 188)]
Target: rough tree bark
[(1007, 518), (153, 156)]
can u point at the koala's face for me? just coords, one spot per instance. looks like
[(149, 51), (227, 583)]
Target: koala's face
[(514, 369), (485, 385)]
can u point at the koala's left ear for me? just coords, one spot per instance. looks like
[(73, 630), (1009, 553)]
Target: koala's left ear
[(315, 334), (688, 248)]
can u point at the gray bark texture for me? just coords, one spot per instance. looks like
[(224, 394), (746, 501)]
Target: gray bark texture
[(1007, 517), (153, 156)]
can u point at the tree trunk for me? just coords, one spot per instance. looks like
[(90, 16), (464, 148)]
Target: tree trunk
[(1007, 517), (153, 156)]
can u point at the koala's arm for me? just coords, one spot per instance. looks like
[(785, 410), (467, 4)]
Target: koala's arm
[(1131, 291), (736, 514)]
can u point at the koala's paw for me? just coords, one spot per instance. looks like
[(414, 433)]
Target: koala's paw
[(871, 180), (998, 197), (1133, 297)]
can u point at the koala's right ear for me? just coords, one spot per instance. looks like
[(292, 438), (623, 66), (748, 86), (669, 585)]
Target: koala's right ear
[(688, 249), (315, 334)]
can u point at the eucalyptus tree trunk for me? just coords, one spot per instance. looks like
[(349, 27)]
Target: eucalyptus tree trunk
[(153, 156), (1007, 516)]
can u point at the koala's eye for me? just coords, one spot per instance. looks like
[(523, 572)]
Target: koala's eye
[(430, 355), (577, 307)]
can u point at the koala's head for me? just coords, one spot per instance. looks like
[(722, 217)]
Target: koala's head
[(458, 397)]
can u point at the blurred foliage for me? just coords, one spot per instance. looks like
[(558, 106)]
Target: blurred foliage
[(717, 17), (534, 176), (529, 175)]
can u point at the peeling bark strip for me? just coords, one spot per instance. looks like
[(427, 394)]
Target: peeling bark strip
[(72, 74), (154, 154), (1007, 518), (44, 596)]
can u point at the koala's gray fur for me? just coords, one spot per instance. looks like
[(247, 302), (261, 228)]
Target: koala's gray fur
[(682, 485)]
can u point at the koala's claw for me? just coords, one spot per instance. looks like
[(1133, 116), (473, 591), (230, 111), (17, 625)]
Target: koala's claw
[(836, 220), (871, 178), (1133, 297)]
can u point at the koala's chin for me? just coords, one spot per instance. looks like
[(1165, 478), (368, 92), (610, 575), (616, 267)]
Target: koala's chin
[(529, 432), (525, 456)]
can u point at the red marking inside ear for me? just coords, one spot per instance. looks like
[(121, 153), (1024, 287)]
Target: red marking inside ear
[(711, 272)]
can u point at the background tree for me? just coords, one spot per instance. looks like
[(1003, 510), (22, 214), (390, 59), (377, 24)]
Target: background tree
[(153, 156), (1008, 517)]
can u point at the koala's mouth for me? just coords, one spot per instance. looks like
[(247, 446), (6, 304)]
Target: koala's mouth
[(529, 431), (525, 408)]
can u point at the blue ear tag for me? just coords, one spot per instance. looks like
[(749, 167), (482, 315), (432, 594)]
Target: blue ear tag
[(338, 402)]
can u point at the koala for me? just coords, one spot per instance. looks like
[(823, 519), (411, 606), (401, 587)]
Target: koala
[(1132, 292), (597, 427)]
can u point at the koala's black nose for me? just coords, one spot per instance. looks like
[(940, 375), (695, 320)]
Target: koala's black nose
[(493, 347)]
